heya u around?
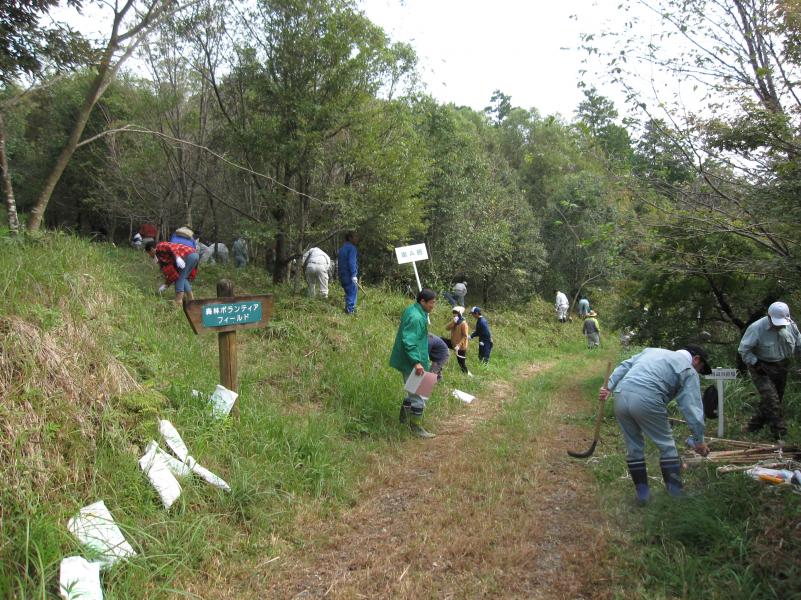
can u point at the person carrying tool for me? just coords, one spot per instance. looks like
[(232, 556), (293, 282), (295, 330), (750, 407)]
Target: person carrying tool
[(459, 338), (178, 264), (348, 265), (316, 265), (561, 305), (766, 347), (591, 329), (410, 353), (643, 385), (484, 335)]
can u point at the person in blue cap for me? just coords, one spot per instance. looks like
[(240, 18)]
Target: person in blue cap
[(484, 335), (643, 385)]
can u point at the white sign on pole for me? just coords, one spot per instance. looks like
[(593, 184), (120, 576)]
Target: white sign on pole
[(724, 374), (719, 376), (415, 253), (412, 254)]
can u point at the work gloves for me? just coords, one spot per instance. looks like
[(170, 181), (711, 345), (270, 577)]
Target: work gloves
[(162, 288), (179, 262), (456, 319), (355, 280)]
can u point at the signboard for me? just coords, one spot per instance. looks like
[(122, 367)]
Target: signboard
[(722, 374), (231, 313), (219, 315), (415, 253), (719, 375)]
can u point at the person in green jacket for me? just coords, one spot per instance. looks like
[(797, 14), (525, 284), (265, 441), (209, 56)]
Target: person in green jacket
[(410, 353)]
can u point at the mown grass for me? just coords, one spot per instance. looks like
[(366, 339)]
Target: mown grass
[(731, 537), (317, 397)]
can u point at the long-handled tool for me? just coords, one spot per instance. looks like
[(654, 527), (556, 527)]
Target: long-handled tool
[(598, 420)]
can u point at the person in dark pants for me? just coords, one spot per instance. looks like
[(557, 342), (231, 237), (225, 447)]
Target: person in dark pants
[(484, 335), (766, 347), (643, 385), (459, 338), (438, 354), (348, 265)]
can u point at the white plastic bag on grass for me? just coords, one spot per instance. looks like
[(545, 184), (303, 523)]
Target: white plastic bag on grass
[(95, 528), (177, 445), (79, 579), (157, 469), (463, 396), (222, 401)]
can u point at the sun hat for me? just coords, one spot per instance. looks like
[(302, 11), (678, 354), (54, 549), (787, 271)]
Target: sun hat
[(458, 309), (592, 313), (779, 313), (700, 353)]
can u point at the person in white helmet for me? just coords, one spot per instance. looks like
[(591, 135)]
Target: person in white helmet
[(766, 347)]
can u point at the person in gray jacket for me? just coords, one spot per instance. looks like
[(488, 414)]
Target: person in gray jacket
[(766, 347), (643, 385)]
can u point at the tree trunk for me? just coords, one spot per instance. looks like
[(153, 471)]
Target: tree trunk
[(8, 188)]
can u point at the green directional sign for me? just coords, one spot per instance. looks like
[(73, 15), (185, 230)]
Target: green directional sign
[(231, 313)]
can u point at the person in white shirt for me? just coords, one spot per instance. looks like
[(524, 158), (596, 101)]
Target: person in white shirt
[(561, 305), (316, 265)]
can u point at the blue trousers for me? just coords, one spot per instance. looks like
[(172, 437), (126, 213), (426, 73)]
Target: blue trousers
[(484, 350), (637, 415), (182, 283), (351, 292)]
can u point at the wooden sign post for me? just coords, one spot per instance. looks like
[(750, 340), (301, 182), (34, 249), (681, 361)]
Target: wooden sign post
[(719, 375), (224, 315)]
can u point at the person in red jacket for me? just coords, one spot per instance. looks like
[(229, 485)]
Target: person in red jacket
[(178, 263)]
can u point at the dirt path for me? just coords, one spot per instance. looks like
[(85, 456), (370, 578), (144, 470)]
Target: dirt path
[(465, 515)]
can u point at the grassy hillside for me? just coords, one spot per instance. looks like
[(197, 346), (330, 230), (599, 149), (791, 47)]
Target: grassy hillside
[(91, 357)]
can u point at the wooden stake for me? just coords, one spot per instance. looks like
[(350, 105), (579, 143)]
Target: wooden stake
[(226, 342)]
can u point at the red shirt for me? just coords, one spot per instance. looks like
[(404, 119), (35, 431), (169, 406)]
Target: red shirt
[(166, 253)]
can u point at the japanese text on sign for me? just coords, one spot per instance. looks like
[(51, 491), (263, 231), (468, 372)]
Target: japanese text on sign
[(722, 374), (234, 313), (415, 253)]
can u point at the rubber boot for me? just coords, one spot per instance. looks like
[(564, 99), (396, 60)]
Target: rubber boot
[(405, 411), (416, 426), (639, 475), (756, 423), (671, 473)]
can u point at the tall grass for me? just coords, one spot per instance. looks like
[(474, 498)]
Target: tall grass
[(92, 357)]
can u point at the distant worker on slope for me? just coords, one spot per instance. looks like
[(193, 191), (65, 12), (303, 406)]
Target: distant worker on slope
[(766, 347), (184, 235), (316, 265), (457, 296), (240, 252), (643, 385), (583, 306), (484, 335), (561, 306), (178, 263), (460, 333), (410, 353), (591, 329), (348, 264)]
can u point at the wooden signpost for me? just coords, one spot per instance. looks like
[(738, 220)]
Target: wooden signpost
[(719, 375), (224, 315)]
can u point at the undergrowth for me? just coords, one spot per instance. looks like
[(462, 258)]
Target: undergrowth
[(92, 357)]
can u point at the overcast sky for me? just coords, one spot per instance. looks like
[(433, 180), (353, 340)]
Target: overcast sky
[(469, 48)]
